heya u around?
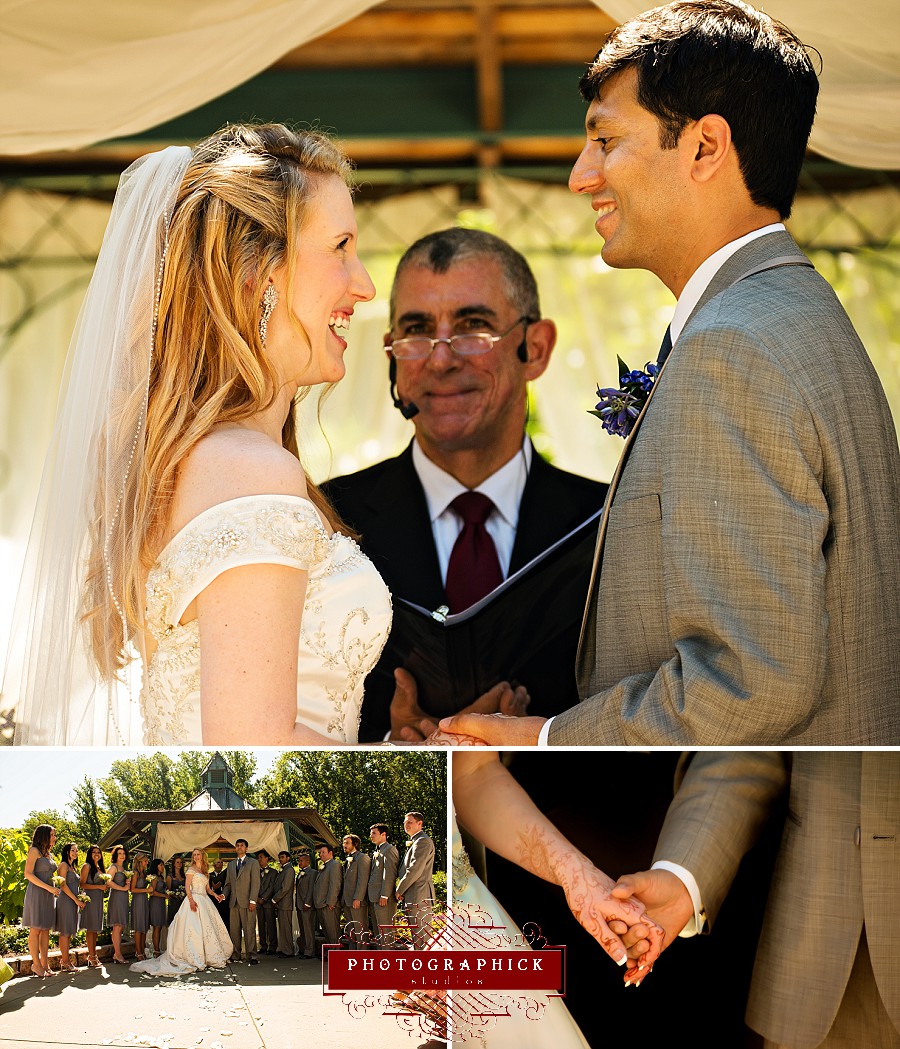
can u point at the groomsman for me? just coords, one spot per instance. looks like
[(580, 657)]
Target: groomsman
[(327, 893), (415, 890), (268, 880), (356, 883), (306, 911), (382, 878), (283, 899), (217, 880), (242, 884)]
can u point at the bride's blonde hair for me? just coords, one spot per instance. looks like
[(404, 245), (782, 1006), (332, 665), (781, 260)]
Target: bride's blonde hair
[(204, 861), (239, 211)]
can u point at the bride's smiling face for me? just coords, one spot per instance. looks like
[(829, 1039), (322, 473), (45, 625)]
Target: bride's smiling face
[(327, 281)]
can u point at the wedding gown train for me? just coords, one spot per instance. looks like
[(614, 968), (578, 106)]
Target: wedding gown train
[(534, 1021), (346, 615), (197, 939)]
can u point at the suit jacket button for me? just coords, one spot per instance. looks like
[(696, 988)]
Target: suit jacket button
[(857, 836)]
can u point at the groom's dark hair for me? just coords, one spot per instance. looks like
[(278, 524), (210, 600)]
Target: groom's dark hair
[(244, 842), (698, 57)]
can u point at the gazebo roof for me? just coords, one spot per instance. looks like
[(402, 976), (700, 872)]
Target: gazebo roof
[(138, 822)]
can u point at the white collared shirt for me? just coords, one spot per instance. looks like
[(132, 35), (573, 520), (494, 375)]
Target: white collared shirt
[(504, 488), (691, 294)]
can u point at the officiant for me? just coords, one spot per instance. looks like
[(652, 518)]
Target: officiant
[(469, 501)]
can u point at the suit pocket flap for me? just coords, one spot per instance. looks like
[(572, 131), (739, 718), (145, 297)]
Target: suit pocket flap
[(631, 512)]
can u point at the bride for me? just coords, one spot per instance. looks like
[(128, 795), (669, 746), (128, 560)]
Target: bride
[(197, 938), (177, 533)]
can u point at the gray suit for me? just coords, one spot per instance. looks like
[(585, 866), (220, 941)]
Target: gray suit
[(746, 587), (243, 888), (327, 898), (265, 921), (284, 909), (382, 878), (356, 883), (304, 892), (836, 876), (416, 885)]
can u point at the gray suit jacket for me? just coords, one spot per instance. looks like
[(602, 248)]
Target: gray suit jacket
[(836, 869), (268, 882), (327, 890), (747, 582), (244, 888), (356, 877), (383, 875), (283, 897), (417, 870), (305, 887)]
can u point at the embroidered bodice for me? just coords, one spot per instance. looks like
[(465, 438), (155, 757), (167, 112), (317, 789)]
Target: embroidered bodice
[(346, 615)]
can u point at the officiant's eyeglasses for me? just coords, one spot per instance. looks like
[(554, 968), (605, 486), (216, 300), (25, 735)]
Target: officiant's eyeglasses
[(469, 344)]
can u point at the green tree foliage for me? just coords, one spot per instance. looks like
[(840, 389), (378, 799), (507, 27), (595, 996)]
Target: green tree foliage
[(353, 789), (91, 818), (13, 853), (66, 829)]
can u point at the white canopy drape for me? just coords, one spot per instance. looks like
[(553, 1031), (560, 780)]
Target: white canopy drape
[(172, 838), (78, 73), (858, 116), (75, 74)]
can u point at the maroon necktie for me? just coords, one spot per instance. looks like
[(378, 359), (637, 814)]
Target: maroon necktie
[(474, 568)]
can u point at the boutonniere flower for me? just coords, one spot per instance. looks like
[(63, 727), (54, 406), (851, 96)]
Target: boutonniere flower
[(409, 844), (619, 409)]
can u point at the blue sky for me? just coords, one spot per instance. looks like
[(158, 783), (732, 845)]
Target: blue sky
[(41, 778)]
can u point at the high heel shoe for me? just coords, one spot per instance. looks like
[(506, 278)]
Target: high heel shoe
[(93, 962), (37, 971), (119, 961)]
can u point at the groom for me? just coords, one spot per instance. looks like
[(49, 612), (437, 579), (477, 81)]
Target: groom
[(746, 585), (242, 889)]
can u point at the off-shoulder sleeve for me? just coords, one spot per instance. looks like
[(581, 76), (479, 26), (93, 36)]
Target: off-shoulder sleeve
[(279, 530)]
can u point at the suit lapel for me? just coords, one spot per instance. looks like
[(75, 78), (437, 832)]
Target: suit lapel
[(536, 529), (756, 253), (399, 533)]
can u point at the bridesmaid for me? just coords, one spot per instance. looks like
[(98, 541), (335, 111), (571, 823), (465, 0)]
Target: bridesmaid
[(140, 906), (157, 876), (93, 882), (117, 908), (40, 892), (175, 882), (68, 906)]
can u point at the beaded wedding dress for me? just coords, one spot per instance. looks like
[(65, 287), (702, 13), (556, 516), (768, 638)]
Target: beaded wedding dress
[(197, 939), (500, 1019), (346, 616)]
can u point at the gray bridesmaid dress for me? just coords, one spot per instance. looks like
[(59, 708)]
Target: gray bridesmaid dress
[(66, 923), (117, 908), (140, 906), (40, 906), (92, 915), (174, 903), (158, 906)]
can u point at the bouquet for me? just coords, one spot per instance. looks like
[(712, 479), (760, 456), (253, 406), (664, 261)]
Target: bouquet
[(176, 894), (58, 881), (104, 877), (83, 897)]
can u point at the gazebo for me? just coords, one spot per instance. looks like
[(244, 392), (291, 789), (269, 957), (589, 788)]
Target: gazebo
[(214, 820)]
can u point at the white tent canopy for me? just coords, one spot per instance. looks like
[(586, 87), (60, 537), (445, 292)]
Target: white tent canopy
[(77, 74), (185, 836)]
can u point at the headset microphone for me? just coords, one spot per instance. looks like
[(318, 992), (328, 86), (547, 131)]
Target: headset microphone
[(522, 352), (407, 410)]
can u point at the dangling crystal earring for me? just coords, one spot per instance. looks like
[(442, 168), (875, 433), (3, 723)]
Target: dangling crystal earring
[(270, 297)]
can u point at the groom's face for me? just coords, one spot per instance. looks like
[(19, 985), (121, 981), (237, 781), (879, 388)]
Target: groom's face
[(241, 850)]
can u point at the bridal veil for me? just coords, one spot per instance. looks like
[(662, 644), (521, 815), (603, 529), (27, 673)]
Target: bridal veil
[(93, 464)]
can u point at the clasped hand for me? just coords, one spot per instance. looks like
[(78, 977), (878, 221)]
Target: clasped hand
[(411, 724)]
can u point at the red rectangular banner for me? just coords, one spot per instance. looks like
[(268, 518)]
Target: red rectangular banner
[(447, 970)]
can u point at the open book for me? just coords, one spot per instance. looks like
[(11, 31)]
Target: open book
[(455, 658)]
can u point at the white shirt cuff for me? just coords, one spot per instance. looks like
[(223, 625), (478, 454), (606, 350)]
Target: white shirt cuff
[(696, 924), (544, 734)]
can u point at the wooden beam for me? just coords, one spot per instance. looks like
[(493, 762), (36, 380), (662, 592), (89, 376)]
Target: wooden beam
[(488, 66)]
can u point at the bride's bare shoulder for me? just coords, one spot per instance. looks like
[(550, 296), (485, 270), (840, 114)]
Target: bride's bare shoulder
[(230, 463)]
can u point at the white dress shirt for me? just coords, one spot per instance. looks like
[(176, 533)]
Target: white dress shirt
[(504, 488)]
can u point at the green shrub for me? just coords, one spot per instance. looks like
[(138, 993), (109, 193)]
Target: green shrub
[(13, 853)]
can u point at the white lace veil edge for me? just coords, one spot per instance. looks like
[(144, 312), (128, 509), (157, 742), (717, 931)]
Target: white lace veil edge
[(52, 681)]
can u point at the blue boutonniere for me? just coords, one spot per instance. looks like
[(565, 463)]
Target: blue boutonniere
[(618, 409)]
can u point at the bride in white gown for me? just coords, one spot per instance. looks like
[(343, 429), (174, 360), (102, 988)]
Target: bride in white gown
[(495, 809), (197, 938), (176, 522)]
